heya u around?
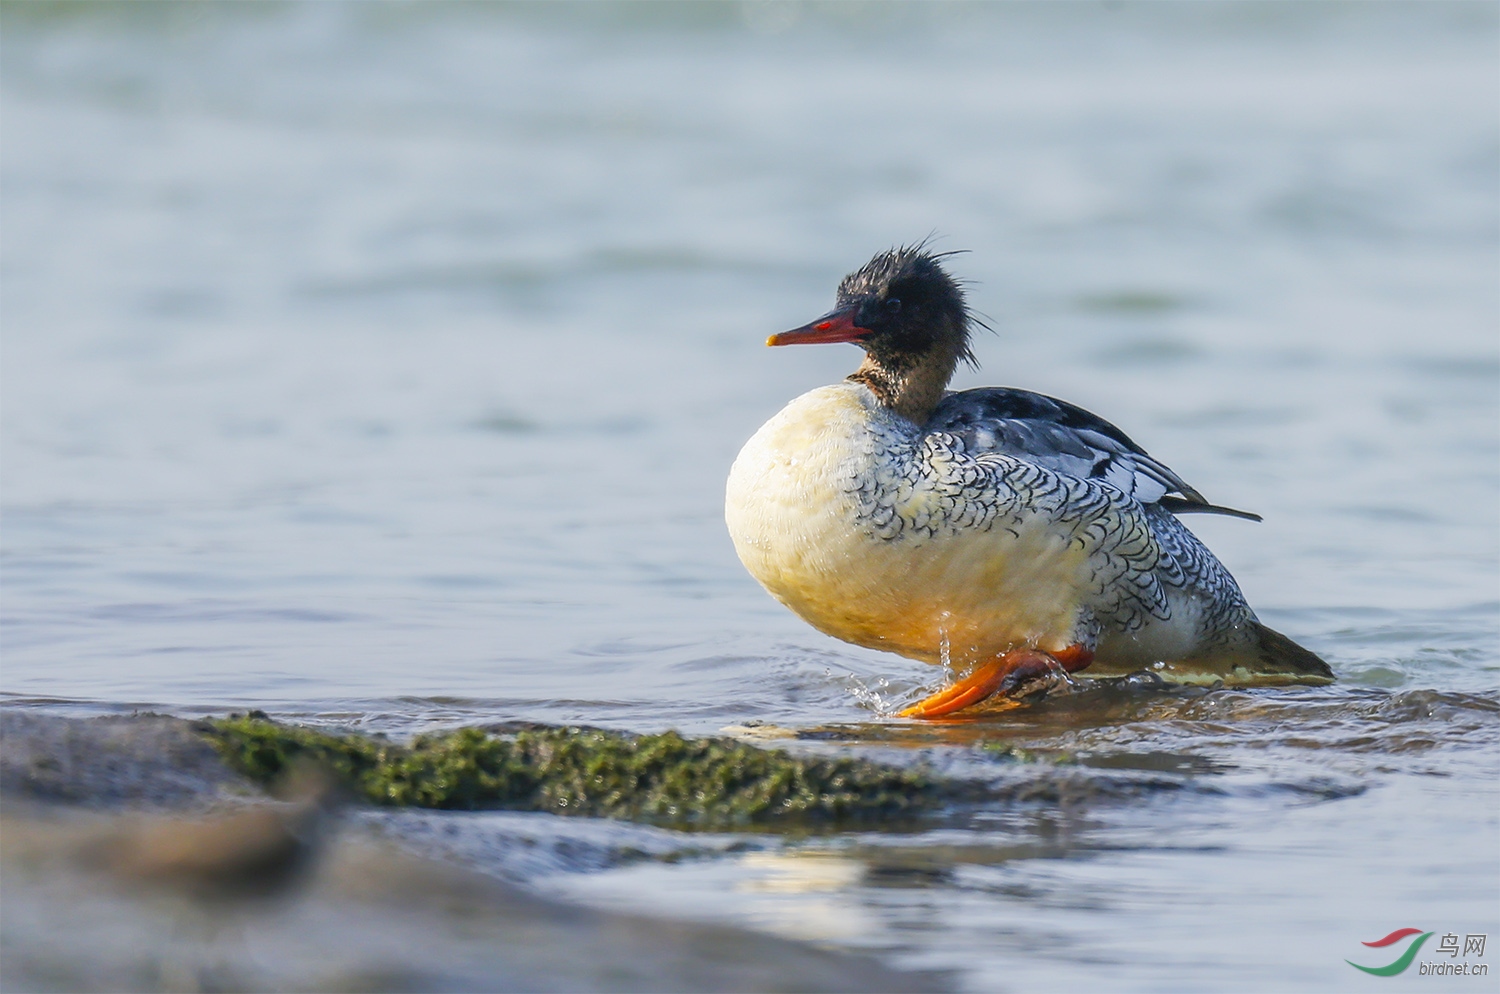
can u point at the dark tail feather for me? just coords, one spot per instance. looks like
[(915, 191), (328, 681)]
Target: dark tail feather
[(1183, 505), (1279, 654)]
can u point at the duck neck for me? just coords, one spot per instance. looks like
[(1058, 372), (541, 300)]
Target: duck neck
[(909, 385)]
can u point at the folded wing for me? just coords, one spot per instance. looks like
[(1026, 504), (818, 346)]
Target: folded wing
[(1066, 439)]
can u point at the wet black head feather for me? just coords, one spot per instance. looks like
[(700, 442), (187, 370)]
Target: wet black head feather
[(910, 305)]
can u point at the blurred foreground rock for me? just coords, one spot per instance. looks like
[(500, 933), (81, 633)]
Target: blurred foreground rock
[(134, 861), (140, 761)]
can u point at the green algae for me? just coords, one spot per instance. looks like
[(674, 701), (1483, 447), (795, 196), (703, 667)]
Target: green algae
[(663, 778)]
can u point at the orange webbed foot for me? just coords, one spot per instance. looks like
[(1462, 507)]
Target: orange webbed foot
[(1003, 674)]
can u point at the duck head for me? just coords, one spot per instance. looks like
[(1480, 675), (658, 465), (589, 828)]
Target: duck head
[(909, 316)]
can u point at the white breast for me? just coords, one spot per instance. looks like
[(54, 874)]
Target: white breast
[(787, 503), (793, 511)]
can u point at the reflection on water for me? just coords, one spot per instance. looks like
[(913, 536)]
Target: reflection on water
[(380, 366)]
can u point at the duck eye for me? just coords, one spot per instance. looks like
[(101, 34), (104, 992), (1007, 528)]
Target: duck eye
[(893, 305)]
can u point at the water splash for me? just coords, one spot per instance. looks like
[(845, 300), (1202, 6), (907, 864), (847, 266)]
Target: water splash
[(871, 696)]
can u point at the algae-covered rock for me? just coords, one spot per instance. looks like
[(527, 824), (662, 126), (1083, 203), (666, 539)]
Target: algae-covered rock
[(664, 778)]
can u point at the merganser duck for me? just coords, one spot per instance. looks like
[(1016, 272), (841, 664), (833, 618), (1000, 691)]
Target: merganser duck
[(1009, 535)]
